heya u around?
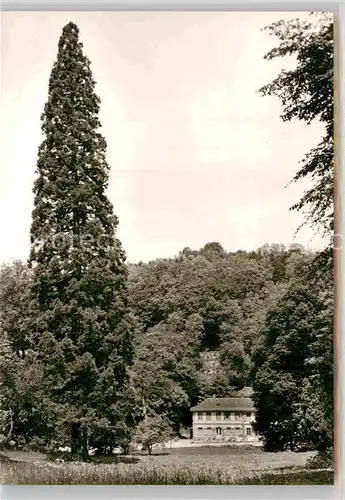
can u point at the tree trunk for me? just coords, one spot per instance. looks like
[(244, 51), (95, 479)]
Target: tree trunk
[(144, 408), (110, 449), (9, 435), (79, 449), (10, 430)]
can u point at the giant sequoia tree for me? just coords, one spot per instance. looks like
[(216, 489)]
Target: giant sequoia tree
[(82, 328)]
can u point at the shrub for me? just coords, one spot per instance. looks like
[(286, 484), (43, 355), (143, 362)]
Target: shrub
[(322, 460), (153, 431)]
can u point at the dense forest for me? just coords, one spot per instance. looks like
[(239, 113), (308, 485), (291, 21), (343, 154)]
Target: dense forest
[(95, 351), (205, 300)]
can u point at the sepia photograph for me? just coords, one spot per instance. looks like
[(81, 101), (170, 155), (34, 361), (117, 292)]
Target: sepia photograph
[(166, 265)]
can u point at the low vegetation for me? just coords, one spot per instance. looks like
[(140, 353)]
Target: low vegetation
[(91, 474), (183, 466), (296, 479), (321, 460)]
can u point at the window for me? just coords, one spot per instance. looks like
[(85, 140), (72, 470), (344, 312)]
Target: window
[(227, 415), (249, 431), (208, 414), (219, 430), (219, 415), (199, 428), (209, 428), (248, 414), (200, 415), (238, 428), (237, 414)]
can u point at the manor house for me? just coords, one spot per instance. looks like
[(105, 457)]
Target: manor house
[(226, 419)]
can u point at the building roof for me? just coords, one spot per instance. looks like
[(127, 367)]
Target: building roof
[(239, 400), (225, 404)]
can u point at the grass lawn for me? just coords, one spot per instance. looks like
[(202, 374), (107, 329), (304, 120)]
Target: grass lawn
[(204, 465), (316, 478)]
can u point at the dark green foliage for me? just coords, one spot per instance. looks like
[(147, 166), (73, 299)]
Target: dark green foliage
[(322, 460), (166, 368), (307, 93), (168, 375), (14, 303), (22, 417), (293, 358), (294, 367), (195, 284), (193, 304), (152, 431), (82, 327)]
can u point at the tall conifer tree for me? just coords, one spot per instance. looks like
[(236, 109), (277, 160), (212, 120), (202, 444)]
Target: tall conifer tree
[(82, 328)]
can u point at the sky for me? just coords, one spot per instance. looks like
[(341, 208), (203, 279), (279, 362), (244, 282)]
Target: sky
[(196, 153)]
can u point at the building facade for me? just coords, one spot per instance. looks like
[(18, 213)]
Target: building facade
[(225, 419)]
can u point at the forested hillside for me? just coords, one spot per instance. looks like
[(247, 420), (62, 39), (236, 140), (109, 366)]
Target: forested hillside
[(199, 301), (204, 300)]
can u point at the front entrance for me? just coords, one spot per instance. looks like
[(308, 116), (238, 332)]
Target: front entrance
[(219, 433)]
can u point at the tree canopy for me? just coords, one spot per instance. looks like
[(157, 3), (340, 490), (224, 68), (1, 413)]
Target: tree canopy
[(293, 358), (293, 385), (306, 93)]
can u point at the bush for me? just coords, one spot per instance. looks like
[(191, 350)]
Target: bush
[(322, 460), (153, 431), (38, 444)]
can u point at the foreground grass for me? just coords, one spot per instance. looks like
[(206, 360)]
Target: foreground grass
[(88, 474), (296, 478)]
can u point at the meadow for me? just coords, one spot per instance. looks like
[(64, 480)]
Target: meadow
[(183, 466)]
